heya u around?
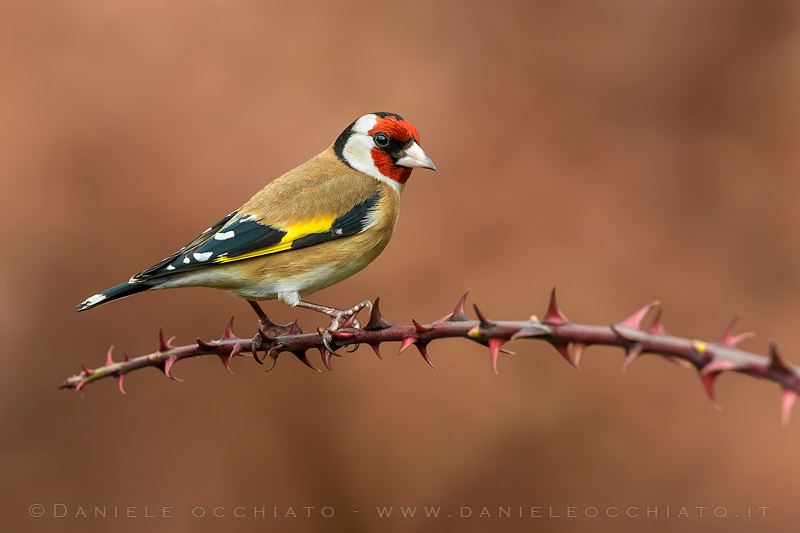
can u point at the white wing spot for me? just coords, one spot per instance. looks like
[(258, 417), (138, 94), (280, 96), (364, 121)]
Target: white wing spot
[(202, 256), (94, 300), (337, 231), (225, 235), (206, 231), (186, 260), (248, 218), (170, 267)]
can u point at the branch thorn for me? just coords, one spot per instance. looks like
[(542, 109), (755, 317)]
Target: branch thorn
[(495, 344), (376, 321), (407, 341), (788, 400), (776, 364), (423, 351), (563, 349), (459, 314), (420, 328), (635, 320), (163, 345), (376, 348), (577, 352), (656, 326), (167, 367), (301, 355), (554, 314), (484, 322), (728, 339), (228, 333), (631, 354)]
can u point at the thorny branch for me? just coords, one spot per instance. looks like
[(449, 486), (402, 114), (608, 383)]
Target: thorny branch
[(710, 359)]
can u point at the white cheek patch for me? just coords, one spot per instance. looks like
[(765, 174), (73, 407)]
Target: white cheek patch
[(358, 150), (202, 256)]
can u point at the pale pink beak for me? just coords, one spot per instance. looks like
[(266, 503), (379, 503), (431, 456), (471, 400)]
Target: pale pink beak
[(414, 157)]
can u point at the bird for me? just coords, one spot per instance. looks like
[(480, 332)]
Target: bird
[(310, 228)]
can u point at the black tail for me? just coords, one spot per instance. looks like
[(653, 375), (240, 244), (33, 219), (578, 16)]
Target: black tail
[(114, 293)]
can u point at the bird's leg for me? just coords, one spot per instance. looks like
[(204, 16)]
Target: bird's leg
[(338, 317)]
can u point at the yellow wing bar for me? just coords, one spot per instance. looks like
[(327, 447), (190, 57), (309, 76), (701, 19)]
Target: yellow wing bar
[(295, 231)]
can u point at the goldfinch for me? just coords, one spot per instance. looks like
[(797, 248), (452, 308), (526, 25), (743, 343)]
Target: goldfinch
[(314, 226)]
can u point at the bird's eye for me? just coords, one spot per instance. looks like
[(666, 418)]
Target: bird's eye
[(381, 140)]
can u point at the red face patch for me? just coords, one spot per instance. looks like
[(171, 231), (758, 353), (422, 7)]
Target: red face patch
[(403, 131), (386, 167)]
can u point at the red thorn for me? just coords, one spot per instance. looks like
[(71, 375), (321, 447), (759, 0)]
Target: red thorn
[(377, 350), (708, 385), (656, 327), (326, 357), (349, 322), (206, 345), (168, 362), (125, 355), (109, 360), (494, 350), (163, 346), (635, 320), (228, 333), (80, 385), (554, 314), (341, 335), (485, 323), (420, 328), (776, 364), (631, 355), (301, 355), (119, 383), (86, 371), (715, 367), (730, 340), (293, 328), (577, 352), (459, 314), (678, 361), (788, 400), (226, 357), (710, 372), (563, 349), (444, 319), (423, 351), (407, 341), (376, 320)]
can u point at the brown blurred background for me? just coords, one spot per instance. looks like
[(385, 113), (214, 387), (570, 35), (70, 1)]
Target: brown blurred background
[(624, 151)]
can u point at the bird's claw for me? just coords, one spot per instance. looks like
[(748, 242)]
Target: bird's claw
[(339, 317)]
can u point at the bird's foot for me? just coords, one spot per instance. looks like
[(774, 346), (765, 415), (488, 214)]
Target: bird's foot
[(339, 318), (268, 331)]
